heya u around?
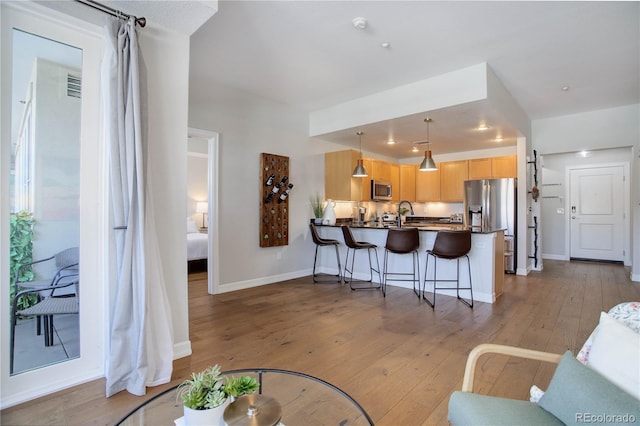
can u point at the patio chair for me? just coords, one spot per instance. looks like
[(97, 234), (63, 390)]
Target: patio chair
[(46, 308), (66, 264)]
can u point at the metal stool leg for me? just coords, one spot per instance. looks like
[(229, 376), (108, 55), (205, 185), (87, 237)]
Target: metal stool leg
[(470, 288), (315, 259), (435, 276)]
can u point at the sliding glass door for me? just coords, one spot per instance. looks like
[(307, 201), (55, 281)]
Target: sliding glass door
[(51, 207)]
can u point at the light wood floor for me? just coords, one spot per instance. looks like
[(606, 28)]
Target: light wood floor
[(399, 358)]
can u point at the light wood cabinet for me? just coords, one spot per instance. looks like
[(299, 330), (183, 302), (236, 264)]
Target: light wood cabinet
[(493, 168), (365, 182), (481, 168), (407, 182), (380, 170), (394, 178), (338, 182), (452, 177), (505, 167), (427, 185)]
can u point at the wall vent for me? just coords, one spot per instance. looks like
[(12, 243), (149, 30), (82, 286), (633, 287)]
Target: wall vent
[(73, 86)]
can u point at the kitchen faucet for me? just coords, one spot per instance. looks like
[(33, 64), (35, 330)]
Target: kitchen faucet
[(399, 215)]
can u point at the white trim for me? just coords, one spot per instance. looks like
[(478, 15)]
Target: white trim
[(182, 349), (563, 257), (36, 19), (213, 256)]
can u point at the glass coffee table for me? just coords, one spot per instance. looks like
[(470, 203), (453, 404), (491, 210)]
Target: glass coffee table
[(304, 399)]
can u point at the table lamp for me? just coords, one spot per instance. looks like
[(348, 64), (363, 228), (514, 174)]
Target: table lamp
[(202, 207)]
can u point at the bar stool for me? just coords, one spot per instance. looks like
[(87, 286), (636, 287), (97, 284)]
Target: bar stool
[(354, 245), (322, 242), (403, 241), (449, 245)]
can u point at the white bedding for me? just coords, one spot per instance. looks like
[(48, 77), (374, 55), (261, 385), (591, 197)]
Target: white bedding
[(197, 246)]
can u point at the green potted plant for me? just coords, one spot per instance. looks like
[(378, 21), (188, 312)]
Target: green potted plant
[(207, 393), (317, 206)]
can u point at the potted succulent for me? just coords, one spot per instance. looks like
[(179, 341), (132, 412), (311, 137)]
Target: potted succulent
[(207, 393), (318, 209)]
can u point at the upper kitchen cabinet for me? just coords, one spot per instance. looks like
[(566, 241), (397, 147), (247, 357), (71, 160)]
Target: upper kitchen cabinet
[(338, 182), (452, 177), (504, 167), (428, 185), (394, 179), (365, 182), (480, 168), (493, 168), (380, 170), (407, 190)]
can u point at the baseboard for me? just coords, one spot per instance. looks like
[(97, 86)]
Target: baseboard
[(241, 285), (635, 277), (182, 349), (555, 257)]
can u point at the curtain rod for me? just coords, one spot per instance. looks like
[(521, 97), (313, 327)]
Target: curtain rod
[(113, 12)]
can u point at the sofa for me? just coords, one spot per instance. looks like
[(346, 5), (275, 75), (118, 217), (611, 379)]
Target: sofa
[(600, 386)]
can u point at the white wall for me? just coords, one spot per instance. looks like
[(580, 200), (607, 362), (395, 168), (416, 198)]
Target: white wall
[(594, 130), (249, 126)]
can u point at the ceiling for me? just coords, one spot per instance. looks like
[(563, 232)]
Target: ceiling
[(308, 54)]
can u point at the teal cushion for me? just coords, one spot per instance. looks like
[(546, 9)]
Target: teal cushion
[(579, 395), (467, 408)]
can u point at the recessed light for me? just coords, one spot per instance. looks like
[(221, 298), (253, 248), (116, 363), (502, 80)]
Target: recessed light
[(498, 139), (583, 154), (414, 149), (359, 23), (483, 126), (565, 88), (385, 44), (391, 142)]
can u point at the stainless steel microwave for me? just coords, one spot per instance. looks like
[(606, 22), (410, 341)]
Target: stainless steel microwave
[(380, 191)]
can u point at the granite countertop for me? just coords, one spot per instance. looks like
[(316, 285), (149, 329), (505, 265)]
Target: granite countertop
[(422, 225)]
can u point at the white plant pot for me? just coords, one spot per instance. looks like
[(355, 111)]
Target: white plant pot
[(209, 417)]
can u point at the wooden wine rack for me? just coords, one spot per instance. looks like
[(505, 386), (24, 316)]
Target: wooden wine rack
[(274, 216)]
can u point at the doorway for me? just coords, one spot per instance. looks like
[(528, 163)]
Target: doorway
[(597, 213), (210, 219)]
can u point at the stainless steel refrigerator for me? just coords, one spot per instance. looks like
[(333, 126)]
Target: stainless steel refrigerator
[(489, 206)]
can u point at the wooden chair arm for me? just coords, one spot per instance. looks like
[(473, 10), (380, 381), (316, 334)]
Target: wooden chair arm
[(485, 348)]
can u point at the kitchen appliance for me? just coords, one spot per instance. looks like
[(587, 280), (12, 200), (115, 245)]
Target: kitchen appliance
[(360, 214), (489, 206), (389, 217), (380, 191)]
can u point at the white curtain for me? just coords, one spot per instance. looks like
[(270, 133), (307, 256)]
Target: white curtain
[(140, 349)]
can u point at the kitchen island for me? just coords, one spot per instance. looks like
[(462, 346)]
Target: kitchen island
[(486, 256)]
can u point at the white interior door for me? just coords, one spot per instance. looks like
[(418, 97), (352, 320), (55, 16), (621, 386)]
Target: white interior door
[(597, 213)]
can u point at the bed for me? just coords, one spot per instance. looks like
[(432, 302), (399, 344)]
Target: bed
[(197, 247)]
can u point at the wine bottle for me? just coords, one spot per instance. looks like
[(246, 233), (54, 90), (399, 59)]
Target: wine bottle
[(270, 180), (285, 194), (276, 188)]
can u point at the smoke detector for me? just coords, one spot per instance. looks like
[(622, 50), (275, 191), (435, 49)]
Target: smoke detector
[(359, 23)]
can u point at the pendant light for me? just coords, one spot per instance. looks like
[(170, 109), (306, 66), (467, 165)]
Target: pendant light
[(360, 171), (428, 165)]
